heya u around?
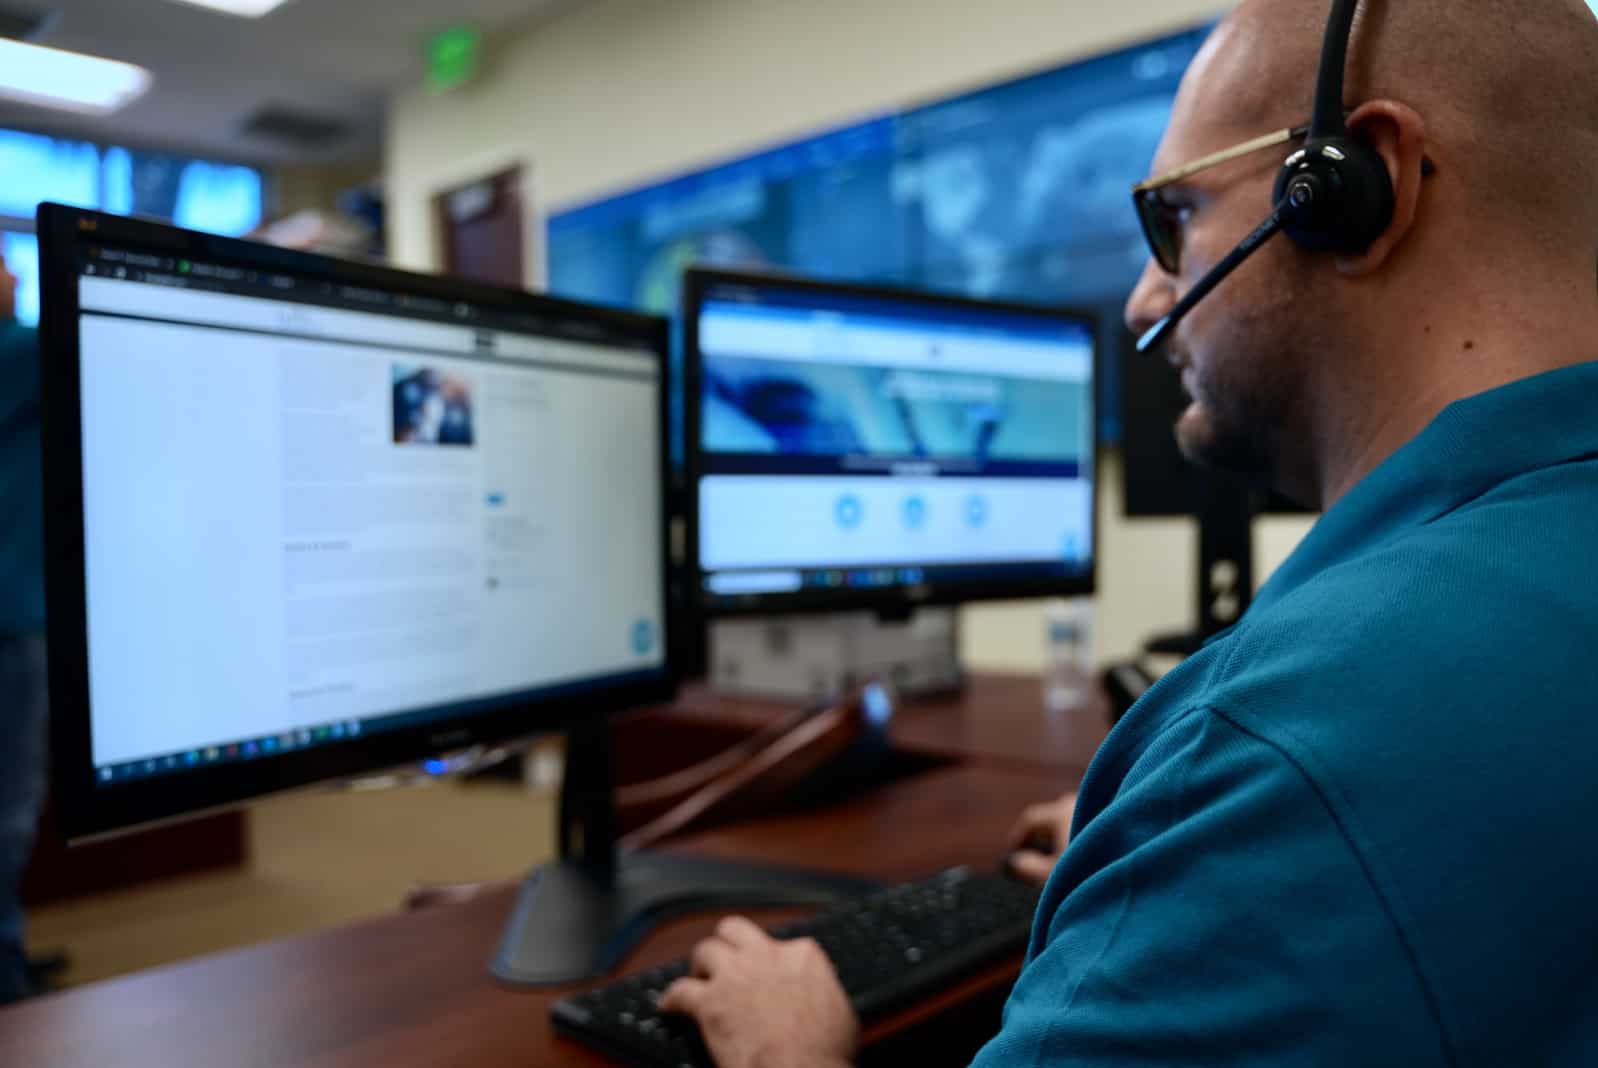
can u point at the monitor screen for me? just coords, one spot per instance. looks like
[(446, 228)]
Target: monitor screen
[(856, 445), (321, 508)]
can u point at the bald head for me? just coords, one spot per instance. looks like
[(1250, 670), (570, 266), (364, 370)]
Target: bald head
[(1508, 90)]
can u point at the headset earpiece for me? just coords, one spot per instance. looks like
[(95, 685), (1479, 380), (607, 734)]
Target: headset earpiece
[(1334, 195)]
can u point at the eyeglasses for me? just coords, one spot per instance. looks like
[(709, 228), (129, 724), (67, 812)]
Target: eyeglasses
[(1162, 221)]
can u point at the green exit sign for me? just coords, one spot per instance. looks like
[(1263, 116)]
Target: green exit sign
[(454, 58)]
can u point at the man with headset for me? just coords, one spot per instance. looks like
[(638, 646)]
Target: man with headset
[(1356, 828), (22, 685)]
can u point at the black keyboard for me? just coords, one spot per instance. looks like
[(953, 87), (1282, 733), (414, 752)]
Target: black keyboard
[(889, 950)]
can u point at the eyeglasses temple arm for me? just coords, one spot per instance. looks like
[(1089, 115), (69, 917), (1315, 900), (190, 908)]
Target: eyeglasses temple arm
[(1280, 137)]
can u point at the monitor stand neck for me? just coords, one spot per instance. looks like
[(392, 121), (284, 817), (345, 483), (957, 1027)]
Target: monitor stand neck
[(577, 917), (1225, 580), (589, 828)]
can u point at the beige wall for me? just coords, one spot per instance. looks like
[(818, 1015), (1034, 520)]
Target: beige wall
[(623, 92), (316, 187)]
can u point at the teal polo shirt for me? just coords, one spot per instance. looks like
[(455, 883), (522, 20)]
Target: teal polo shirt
[(21, 492), (1361, 827)]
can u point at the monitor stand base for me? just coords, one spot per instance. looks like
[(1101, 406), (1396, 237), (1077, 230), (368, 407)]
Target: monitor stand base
[(577, 917), (571, 924)]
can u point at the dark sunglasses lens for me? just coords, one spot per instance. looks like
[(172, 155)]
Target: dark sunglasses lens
[(1160, 230)]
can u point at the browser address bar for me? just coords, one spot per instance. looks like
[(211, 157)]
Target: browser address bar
[(150, 301)]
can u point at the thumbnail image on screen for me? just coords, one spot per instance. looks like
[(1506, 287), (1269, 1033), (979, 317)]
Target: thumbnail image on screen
[(431, 407)]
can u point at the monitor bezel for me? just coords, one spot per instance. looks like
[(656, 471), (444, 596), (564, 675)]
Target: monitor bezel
[(87, 809), (893, 602)]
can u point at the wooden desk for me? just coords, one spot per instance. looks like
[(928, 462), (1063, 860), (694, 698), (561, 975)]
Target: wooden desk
[(408, 990), (206, 844)]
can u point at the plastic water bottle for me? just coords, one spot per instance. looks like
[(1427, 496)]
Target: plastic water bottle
[(1068, 653)]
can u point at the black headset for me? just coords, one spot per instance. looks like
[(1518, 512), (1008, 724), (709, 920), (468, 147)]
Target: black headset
[(1333, 195)]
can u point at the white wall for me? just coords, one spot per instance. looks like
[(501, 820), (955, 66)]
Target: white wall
[(619, 93)]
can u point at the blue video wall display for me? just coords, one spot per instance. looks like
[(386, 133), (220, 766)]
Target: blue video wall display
[(218, 198), (1015, 192)]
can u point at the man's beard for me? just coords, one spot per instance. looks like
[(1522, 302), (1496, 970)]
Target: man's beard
[(1232, 425)]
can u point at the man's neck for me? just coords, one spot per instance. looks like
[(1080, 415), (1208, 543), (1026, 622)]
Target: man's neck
[(1409, 380), (1373, 433)]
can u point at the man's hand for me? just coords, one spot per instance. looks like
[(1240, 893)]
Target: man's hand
[(1039, 837), (761, 1003)]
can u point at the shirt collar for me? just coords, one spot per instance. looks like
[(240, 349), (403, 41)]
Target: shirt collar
[(1472, 446)]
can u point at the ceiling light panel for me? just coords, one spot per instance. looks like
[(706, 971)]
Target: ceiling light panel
[(70, 81), (250, 9)]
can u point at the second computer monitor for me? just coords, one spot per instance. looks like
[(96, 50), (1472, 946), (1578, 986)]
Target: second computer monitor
[(856, 447)]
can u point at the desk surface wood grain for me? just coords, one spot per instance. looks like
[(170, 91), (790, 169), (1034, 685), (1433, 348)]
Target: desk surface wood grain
[(414, 990)]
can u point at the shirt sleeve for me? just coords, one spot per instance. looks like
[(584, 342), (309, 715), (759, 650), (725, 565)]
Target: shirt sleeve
[(1213, 914)]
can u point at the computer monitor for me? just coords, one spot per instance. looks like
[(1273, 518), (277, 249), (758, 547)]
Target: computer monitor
[(859, 447), (309, 518)]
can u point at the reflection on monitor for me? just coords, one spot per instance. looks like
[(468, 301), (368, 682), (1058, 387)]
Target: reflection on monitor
[(318, 510), (859, 445)]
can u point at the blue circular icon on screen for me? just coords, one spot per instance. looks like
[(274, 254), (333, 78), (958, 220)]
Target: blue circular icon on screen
[(643, 637), (915, 513), (976, 511), (849, 511)]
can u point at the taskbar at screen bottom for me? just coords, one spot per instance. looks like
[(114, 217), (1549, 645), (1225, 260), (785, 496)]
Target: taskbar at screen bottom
[(341, 732), (230, 752), (734, 587)]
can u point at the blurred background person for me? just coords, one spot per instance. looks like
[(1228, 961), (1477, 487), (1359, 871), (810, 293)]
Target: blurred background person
[(22, 649)]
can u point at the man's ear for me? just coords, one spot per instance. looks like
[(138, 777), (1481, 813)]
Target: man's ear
[(1397, 134)]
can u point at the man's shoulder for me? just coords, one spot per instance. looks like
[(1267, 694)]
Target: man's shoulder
[(1434, 647), (1501, 578), (1462, 645)]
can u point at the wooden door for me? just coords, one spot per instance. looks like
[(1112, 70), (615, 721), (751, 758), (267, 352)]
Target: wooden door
[(482, 230)]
